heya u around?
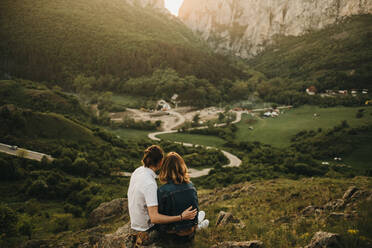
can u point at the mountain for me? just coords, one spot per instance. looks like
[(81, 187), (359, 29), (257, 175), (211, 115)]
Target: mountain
[(245, 27), (336, 57), (57, 40)]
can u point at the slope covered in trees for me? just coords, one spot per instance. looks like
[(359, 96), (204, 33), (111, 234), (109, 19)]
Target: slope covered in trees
[(337, 57), (57, 40)]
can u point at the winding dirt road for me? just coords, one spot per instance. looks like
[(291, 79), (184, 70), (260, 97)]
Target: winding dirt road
[(234, 161)]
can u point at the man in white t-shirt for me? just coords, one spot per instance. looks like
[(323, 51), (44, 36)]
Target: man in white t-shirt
[(142, 196)]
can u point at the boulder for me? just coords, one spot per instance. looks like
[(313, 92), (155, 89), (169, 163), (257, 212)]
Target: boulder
[(309, 210), (337, 215), (121, 238), (324, 240), (107, 211), (225, 218), (350, 192), (335, 204), (245, 244)]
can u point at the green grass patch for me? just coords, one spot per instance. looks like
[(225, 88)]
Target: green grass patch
[(278, 131), (130, 134), (204, 140)]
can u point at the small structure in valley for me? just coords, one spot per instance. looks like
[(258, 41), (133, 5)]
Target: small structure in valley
[(163, 105), (311, 90)]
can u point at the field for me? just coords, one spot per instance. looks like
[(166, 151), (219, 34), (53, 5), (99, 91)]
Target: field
[(278, 131), (132, 101), (130, 134), (204, 140)]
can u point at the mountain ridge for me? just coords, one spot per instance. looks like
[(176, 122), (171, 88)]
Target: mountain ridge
[(244, 28)]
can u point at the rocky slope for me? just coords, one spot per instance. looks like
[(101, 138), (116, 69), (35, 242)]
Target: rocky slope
[(246, 26)]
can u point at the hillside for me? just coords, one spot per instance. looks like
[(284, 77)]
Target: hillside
[(36, 96), (56, 40), (245, 27), (280, 213), (337, 57)]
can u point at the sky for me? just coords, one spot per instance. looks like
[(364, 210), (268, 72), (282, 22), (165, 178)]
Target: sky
[(173, 5)]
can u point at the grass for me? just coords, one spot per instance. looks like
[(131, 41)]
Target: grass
[(131, 134), (361, 156), (130, 101), (278, 131), (266, 202), (204, 140)]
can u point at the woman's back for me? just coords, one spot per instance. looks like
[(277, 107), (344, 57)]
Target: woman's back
[(173, 199)]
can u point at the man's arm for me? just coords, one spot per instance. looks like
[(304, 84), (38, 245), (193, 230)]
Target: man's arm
[(157, 218)]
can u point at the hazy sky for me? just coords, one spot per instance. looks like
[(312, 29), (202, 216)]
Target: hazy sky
[(173, 5)]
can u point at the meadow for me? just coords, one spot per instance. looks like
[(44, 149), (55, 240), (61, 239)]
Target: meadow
[(279, 131), (130, 134)]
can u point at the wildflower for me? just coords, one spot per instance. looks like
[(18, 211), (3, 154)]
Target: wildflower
[(353, 231)]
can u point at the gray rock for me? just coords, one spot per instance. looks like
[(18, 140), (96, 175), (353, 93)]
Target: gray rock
[(225, 218), (350, 193), (107, 211), (245, 244), (121, 238), (309, 210), (324, 240), (337, 215), (335, 204)]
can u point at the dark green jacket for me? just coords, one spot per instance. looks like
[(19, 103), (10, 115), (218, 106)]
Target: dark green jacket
[(173, 200)]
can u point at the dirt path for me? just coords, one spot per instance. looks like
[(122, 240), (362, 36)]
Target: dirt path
[(234, 161)]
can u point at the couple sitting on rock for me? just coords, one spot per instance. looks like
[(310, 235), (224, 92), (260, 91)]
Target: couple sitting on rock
[(169, 213)]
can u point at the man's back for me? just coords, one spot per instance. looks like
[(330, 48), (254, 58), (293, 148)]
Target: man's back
[(141, 194)]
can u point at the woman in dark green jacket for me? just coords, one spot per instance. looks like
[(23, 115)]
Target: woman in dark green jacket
[(177, 194)]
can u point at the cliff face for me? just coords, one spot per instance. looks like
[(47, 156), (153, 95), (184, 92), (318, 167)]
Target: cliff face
[(244, 27), (157, 4)]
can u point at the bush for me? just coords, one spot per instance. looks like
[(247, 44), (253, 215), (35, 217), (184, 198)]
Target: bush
[(38, 189), (26, 226), (74, 210), (8, 221), (61, 223)]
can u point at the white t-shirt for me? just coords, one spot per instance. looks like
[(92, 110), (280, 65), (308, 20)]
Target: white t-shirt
[(142, 193)]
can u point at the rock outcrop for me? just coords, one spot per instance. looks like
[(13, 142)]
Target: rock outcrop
[(324, 240), (244, 244), (107, 211), (245, 27), (225, 218)]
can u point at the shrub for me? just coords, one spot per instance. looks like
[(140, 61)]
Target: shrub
[(8, 221), (38, 189), (74, 210), (61, 223)]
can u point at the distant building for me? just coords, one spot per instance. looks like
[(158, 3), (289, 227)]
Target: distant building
[(343, 92), (163, 105), (175, 100), (311, 90), (365, 91)]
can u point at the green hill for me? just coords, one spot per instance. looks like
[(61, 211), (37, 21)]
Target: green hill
[(36, 96), (28, 125), (339, 56), (56, 40)]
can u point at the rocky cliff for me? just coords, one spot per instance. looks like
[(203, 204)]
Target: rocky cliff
[(246, 26)]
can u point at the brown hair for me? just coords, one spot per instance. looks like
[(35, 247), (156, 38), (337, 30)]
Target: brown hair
[(152, 156), (174, 169)]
